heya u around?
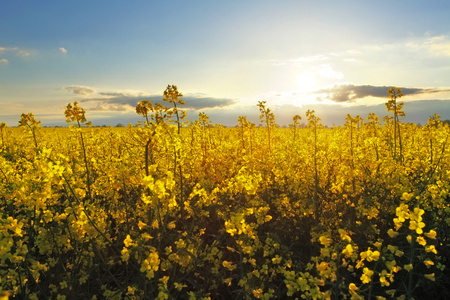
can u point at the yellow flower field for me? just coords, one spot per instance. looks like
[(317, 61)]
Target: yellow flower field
[(171, 209)]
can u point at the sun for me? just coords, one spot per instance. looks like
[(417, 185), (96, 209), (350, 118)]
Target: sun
[(306, 82)]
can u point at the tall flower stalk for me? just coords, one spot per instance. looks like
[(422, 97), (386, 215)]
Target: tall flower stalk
[(295, 125), (396, 108), (28, 120), (314, 123), (268, 118), (76, 115), (173, 96)]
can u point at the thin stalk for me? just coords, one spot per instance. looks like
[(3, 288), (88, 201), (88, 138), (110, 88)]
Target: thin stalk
[(88, 178), (3, 141), (84, 210), (431, 151), (147, 145), (268, 131), (376, 144), (4, 175), (410, 274), (400, 142), (351, 152), (181, 192), (316, 175), (242, 137), (34, 136), (178, 118), (395, 128)]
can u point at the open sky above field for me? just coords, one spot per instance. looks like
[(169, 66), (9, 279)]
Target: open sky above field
[(335, 57)]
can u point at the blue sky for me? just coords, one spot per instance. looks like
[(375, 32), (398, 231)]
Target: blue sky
[(336, 57)]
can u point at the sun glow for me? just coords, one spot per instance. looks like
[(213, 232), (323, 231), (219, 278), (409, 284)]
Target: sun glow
[(306, 82)]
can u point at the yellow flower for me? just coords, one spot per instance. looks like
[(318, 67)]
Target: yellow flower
[(431, 248), (326, 241), (344, 236), (171, 225), (128, 241), (348, 251), (352, 287), (366, 276), (398, 223), (131, 290), (409, 238), (179, 286), (277, 259), (140, 225), (383, 281), (164, 280), (416, 220), (431, 234), (421, 240), (323, 266), (370, 255), (428, 263), (392, 233), (430, 277), (417, 214), (417, 226), (407, 196), (392, 248), (150, 265), (408, 267), (229, 265), (257, 293)]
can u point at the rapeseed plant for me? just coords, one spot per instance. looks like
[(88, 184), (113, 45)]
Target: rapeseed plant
[(351, 212)]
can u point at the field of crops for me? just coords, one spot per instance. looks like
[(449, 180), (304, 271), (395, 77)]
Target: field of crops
[(172, 209)]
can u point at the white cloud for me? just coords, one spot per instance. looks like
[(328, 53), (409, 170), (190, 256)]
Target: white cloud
[(3, 61), (436, 46), (374, 48), (326, 71), (63, 50), (23, 53), (312, 58), (15, 50)]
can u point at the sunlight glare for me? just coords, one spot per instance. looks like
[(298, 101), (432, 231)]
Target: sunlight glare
[(306, 82)]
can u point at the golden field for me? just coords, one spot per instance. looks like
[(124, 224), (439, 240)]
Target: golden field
[(172, 209)]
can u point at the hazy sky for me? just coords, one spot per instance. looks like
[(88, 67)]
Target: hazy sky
[(336, 57)]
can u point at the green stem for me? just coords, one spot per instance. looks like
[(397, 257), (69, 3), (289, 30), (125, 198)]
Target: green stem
[(4, 175), (147, 145), (410, 274), (88, 178), (316, 176), (85, 212)]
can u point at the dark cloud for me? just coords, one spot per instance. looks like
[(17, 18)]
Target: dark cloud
[(121, 100), (416, 111), (202, 102), (81, 90), (351, 93)]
